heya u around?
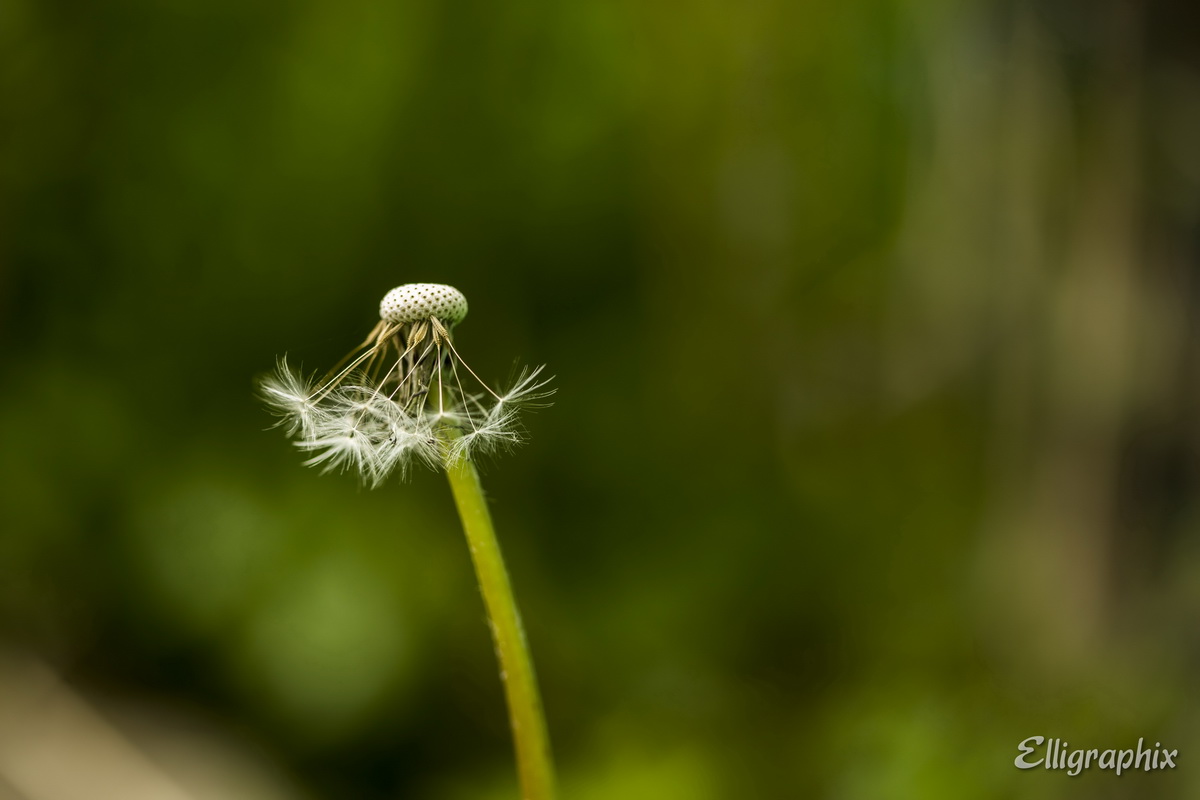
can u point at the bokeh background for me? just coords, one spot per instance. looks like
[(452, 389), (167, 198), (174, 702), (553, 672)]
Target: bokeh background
[(875, 448)]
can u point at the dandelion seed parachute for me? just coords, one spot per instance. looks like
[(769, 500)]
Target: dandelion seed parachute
[(401, 399)]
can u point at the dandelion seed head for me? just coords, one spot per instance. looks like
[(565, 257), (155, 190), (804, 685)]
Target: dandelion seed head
[(403, 396), (419, 301)]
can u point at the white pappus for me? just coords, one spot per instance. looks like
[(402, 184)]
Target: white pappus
[(401, 397)]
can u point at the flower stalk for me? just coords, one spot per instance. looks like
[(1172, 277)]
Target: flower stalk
[(535, 769), (406, 396)]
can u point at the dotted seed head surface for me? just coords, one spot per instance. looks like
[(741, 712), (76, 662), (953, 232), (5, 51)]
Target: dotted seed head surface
[(417, 301)]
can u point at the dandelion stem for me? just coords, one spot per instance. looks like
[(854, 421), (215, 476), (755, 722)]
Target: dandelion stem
[(534, 766)]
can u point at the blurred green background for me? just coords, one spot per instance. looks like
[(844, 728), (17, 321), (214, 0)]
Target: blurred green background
[(874, 450)]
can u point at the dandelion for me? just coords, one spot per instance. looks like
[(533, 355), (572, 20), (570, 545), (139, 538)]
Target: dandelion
[(404, 396)]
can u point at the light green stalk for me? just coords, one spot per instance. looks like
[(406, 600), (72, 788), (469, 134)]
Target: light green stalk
[(534, 766)]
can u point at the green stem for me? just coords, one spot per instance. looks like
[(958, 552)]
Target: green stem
[(532, 744)]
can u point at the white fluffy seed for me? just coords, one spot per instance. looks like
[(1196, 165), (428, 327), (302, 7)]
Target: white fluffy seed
[(417, 301)]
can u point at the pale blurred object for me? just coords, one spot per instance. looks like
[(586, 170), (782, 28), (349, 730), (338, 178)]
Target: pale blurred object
[(55, 744)]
